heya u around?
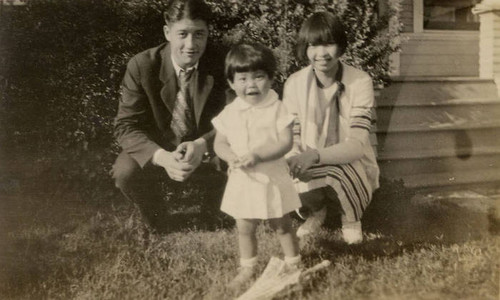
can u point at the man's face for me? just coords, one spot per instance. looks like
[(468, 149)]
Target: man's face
[(188, 40)]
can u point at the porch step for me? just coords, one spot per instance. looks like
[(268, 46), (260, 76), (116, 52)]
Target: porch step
[(424, 138), (439, 131), (445, 102), (444, 114), (436, 153), (411, 90), (488, 176), (438, 161)]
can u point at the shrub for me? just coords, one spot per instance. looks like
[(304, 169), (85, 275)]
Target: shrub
[(62, 62), (372, 36), (63, 65)]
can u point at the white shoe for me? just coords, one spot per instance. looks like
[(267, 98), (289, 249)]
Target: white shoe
[(245, 275), (301, 215), (352, 233), (313, 223)]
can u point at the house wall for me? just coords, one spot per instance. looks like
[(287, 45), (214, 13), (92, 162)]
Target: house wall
[(490, 45), (407, 15), (446, 53), (440, 54)]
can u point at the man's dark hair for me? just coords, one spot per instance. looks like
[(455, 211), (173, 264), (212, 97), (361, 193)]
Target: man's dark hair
[(191, 9), (249, 58), (321, 28)]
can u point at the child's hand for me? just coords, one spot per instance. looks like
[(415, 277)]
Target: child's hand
[(234, 163), (249, 160)]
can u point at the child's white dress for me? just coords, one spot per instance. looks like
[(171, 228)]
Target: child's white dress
[(266, 190)]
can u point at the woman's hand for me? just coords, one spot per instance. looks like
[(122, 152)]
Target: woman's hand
[(300, 163), (305, 176)]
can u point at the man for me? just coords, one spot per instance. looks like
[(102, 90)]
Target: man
[(169, 97)]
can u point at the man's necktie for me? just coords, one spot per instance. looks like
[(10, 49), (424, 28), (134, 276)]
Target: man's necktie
[(182, 123)]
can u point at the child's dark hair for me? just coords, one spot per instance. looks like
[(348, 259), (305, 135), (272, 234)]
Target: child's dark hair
[(191, 9), (248, 58), (321, 28)]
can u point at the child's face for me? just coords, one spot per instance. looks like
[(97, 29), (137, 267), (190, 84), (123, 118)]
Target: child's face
[(252, 86), (323, 57)]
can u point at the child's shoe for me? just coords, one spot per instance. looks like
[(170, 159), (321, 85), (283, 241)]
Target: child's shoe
[(313, 223), (352, 233), (245, 275)]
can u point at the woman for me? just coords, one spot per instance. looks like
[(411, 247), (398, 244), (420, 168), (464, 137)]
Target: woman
[(332, 157)]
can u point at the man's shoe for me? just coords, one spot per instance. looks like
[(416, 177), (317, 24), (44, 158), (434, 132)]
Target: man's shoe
[(352, 233), (313, 223)]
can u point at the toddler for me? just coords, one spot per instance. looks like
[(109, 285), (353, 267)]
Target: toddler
[(254, 132)]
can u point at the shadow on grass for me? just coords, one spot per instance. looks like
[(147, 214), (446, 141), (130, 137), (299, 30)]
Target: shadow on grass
[(36, 247), (188, 221), (195, 205), (398, 212), (55, 240), (397, 221)]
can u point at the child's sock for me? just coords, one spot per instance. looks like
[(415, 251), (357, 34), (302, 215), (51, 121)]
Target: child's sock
[(245, 274), (248, 262), (293, 260)]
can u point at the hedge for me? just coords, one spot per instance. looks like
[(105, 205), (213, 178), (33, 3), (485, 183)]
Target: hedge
[(62, 62)]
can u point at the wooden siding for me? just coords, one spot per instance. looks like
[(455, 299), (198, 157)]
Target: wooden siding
[(406, 15), (439, 131), (440, 54), (490, 45)]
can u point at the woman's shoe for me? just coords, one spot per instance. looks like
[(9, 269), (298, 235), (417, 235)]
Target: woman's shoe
[(313, 223), (303, 212), (352, 232)]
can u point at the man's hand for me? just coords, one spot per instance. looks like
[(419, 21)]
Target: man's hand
[(173, 163), (192, 152)]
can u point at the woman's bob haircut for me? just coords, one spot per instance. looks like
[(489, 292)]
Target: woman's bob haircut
[(321, 28)]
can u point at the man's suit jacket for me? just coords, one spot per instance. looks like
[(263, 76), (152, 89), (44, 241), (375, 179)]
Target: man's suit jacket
[(149, 90)]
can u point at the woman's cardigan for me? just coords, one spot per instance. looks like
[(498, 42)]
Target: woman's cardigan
[(355, 180)]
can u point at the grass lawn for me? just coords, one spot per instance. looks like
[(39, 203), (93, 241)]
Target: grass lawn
[(58, 246)]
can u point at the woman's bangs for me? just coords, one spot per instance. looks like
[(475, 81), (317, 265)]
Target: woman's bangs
[(319, 34)]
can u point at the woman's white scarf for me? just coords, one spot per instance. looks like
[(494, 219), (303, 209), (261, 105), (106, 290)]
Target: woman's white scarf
[(314, 131)]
